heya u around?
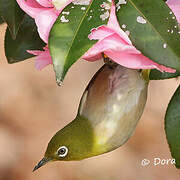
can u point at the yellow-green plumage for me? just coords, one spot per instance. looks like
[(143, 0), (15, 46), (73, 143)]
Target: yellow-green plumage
[(110, 108)]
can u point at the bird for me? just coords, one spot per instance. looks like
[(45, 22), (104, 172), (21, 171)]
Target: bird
[(108, 113)]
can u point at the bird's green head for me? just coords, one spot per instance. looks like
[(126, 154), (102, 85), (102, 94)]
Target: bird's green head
[(73, 142)]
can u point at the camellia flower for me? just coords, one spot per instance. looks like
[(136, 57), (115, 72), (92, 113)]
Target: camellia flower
[(45, 13), (115, 43), (112, 40)]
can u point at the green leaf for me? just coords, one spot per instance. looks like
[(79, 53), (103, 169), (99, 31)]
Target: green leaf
[(172, 126), (12, 15), (27, 39), (157, 75), (159, 37), (69, 40)]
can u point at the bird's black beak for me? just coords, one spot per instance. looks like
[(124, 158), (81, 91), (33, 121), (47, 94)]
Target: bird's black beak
[(41, 163)]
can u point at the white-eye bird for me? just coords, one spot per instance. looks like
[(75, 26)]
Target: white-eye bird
[(109, 111)]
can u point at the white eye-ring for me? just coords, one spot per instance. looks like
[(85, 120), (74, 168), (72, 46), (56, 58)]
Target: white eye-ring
[(62, 151)]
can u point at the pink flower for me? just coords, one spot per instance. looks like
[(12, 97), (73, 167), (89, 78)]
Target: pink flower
[(112, 40), (45, 13), (115, 43)]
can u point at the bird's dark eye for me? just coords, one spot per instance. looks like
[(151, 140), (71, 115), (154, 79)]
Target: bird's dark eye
[(62, 151)]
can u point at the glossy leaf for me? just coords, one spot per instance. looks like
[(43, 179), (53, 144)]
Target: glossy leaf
[(172, 126), (153, 30), (69, 36), (157, 75), (27, 39), (12, 15)]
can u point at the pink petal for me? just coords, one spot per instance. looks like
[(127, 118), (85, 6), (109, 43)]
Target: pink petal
[(113, 24), (136, 61), (44, 22), (174, 5), (111, 43), (44, 17), (104, 31), (43, 58), (100, 33), (31, 7), (110, 37), (33, 3), (92, 58), (112, 27), (45, 3), (123, 54), (34, 52)]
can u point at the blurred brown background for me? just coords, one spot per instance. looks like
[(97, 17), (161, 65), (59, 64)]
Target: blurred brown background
[(33, 108)]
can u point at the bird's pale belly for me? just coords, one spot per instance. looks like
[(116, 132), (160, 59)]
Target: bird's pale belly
[(116, 128), (113, 104)]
